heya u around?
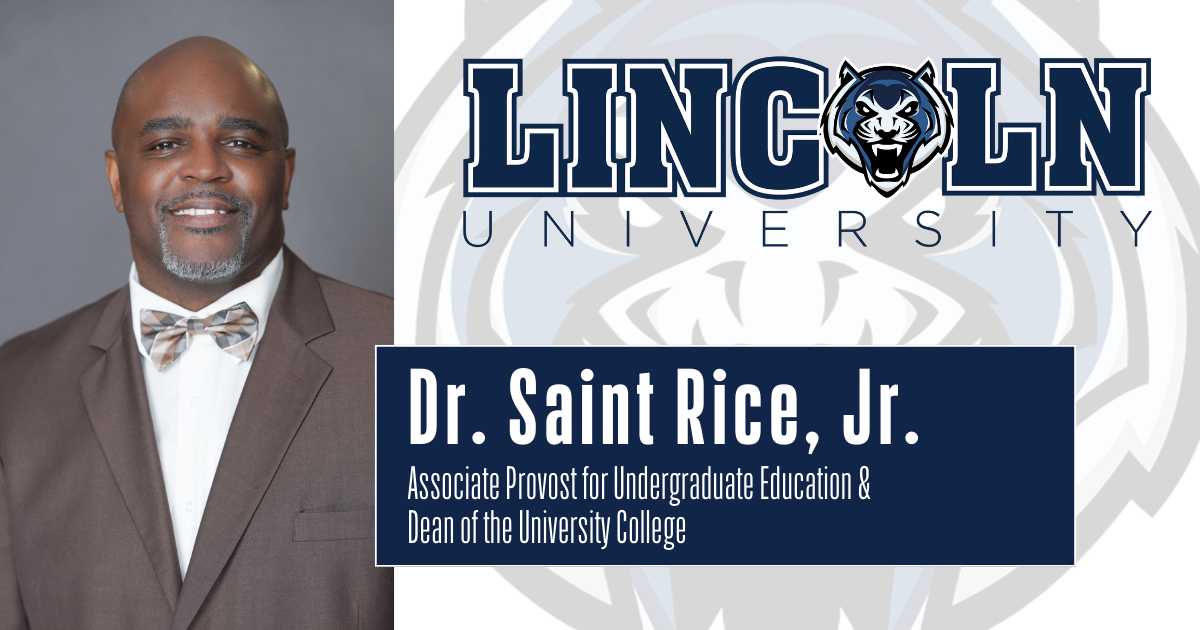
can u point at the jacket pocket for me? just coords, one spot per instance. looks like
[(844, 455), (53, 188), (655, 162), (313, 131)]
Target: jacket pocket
[(311, 526)]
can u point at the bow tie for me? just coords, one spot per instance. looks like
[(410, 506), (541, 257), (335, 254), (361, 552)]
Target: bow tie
[(165, 335)]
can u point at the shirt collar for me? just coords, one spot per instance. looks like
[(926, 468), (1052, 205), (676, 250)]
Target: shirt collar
[(258, 293)]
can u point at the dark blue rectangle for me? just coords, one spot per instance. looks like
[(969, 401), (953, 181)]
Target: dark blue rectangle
[(986, 478)]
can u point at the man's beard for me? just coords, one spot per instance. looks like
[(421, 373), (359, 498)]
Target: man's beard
[(204, 271)]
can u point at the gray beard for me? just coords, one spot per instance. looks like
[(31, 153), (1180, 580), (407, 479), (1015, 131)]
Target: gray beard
[(203, 272)]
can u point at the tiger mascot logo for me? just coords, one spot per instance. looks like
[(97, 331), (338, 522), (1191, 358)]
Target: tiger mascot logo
[(887, 122)]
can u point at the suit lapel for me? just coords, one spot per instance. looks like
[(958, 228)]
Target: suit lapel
[(280, 389), (114, 392)]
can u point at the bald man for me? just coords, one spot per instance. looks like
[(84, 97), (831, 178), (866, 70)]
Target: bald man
[(195, 450)]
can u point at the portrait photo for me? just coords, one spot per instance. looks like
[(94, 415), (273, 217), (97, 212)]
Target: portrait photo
[(197, 247)]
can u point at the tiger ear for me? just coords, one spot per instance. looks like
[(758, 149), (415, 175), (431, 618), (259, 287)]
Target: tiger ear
[(926, 74), (848, 73)]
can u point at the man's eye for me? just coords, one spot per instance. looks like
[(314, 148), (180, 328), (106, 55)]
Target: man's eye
[(863, 110), (165, 145), (242, 144)]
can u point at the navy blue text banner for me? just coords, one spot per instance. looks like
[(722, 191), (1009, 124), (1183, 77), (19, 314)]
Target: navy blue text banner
[(725, 455)]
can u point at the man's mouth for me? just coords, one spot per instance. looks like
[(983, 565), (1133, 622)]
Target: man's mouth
[(201, 207), (203, 213), (202, 220), (197, 212), (889, 159)]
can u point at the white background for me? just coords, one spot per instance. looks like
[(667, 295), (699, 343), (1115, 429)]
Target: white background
[(1143, 571)]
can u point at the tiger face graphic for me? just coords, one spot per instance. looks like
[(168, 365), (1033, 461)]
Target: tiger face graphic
[(887, 122)]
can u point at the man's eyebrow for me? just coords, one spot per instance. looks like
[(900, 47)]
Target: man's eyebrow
[(229, 123), (169, 123)]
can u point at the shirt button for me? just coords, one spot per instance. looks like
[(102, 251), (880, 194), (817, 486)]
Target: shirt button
[(189, 507), (195, 401)]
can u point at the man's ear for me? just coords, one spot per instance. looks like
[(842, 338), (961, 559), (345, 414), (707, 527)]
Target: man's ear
[(114, 178), (289, 165)]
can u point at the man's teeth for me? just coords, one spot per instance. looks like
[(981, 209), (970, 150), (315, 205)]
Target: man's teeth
[(197, 212)]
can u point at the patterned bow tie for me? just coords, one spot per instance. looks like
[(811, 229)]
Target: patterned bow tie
[(165, 335)]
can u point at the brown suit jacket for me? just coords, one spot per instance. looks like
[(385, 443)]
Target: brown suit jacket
[(287, 536)]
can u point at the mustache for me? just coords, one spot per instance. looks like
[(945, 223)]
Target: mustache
[(236, 202)]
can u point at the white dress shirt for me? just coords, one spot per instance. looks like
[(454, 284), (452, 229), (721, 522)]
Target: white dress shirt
[(192, 401)]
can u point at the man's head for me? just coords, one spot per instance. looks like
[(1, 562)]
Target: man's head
[(200, 167)]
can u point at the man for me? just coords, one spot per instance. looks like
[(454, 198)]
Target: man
[(196, 449)]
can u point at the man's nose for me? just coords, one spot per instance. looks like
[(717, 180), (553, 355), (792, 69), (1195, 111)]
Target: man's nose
[(205, 162)]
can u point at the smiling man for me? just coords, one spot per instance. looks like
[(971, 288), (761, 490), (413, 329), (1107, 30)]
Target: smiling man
[(196, 449)]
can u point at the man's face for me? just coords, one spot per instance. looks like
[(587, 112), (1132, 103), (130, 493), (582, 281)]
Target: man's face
[(200, 169)]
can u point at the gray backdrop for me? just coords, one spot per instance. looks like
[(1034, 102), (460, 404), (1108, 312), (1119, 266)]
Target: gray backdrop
[(62, 64)]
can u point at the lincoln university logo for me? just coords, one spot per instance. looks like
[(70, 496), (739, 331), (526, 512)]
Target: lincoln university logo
[(642, 128)]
